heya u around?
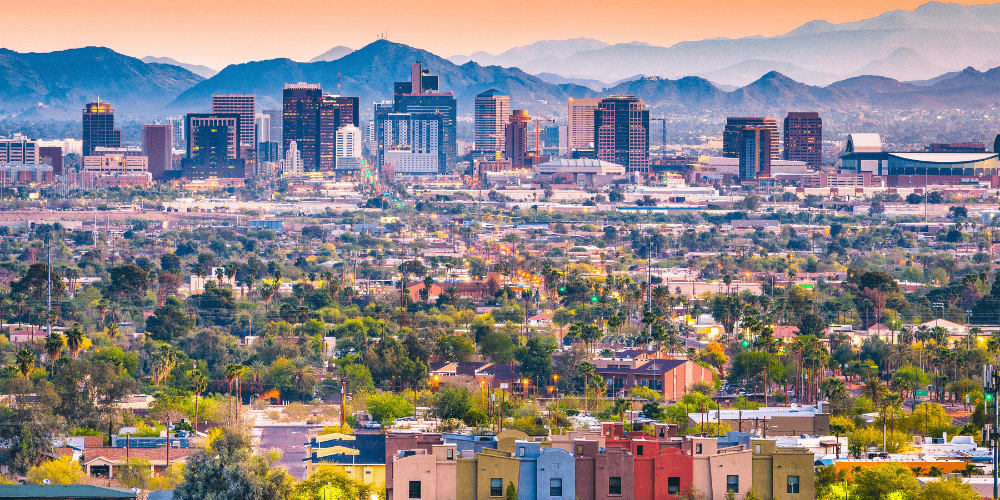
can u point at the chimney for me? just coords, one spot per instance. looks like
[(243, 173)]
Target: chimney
[(416, 78)]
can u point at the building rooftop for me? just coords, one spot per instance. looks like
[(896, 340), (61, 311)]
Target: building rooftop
[(864, 143), (944, 157)]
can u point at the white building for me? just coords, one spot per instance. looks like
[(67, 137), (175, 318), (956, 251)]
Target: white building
[(292, 164), (262, 122), (179, 140), (413, 144), (19, 149), (348, 148)]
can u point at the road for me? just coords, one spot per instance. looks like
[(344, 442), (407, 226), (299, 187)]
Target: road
[(290, 440)]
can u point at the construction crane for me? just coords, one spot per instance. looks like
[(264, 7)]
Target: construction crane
[(663, 150), (538, 152)]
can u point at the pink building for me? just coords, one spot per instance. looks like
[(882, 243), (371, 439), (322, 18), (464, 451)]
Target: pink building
[(716, 471), (427, 475), (396, 442), (603, 475)]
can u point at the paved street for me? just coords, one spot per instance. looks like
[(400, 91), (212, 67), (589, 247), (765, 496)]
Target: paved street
[(289, 439)]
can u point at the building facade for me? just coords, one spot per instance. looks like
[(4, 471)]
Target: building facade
[(334, 112), (99, 127), (19, 149), (804, 138), (213, 150), (732, 134), (755, 153), (492, 112), (581, 122), (244, 105), (300, 121), (349, 153), (112, 170), (516, 139), (420, 96), (157, 141), (53, 155), (621, 133), (411, 144)]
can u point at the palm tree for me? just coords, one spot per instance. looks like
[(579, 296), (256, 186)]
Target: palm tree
[(74, 340), (53, 346), (25, 361), (198, 385), (875, 389)]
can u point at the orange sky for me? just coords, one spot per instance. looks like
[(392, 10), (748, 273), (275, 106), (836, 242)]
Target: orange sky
[(220, 32)]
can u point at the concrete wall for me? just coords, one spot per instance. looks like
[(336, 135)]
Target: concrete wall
[(737, 463), (556, 463), (394, 442), (585, 455), (772, 466), (527, 453), (614, 462), (467, 472), (496, 464)]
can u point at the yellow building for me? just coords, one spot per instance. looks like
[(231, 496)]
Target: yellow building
[(782, 473), (360, 457)]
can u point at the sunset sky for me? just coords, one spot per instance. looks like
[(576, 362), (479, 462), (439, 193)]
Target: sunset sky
[(220, 32)]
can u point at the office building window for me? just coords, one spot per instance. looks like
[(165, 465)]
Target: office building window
[(496, 487), (673, 485), (638, 449), (756, 448), (793, 484), (733, 484), (450, 454), (614, 486), (579, 449), (414, 489), (520, 451), (555, 487), (697, 449)]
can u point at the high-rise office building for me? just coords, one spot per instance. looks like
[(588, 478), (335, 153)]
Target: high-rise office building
[(581, 122), (412, 144), (300, 122), (213, 146), (178, 140), (334, 112), (516, 139), (732, 136), (262, 127), (755, 153), (804, 137), (276, 124), (53, 155), (157, 143), (292, 164), (621, 132), (244, 105), (348, 149), (19, 149), (420, 96), (492, 112), (99, 127)]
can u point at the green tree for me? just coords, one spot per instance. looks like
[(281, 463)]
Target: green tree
[(877, 483), (452, 402), (227, 470), (126, 282), (511, 491), (387, 407), (950, 489), (169, 322), (536, 359)]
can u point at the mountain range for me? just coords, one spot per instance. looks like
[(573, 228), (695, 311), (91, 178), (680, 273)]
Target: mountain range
[(905, 45), (198, 69)]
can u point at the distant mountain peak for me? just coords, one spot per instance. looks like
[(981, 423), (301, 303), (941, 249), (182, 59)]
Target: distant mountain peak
[(333, 54)]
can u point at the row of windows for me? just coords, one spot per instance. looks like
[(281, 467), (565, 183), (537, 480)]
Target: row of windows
[(969, 172), (614, 486)]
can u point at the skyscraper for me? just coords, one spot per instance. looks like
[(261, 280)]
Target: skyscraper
[(334, 112), (581, 122), (244, 105), (262, 127), (99, 127), (420, 96), (213, 147), (179, 140), (732, 138), (348, 149), (276, 124), (516, 139), (54, 155), (156, 146), (300, 122), (492, 111), (411, 144), (804, 138), (621, 132), (755, 153)]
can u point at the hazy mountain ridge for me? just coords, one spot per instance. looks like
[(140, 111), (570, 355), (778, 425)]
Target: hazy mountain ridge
[(198, 69), (62, 82)]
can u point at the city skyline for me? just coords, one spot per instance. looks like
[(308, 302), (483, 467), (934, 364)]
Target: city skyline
[(155, 28)]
